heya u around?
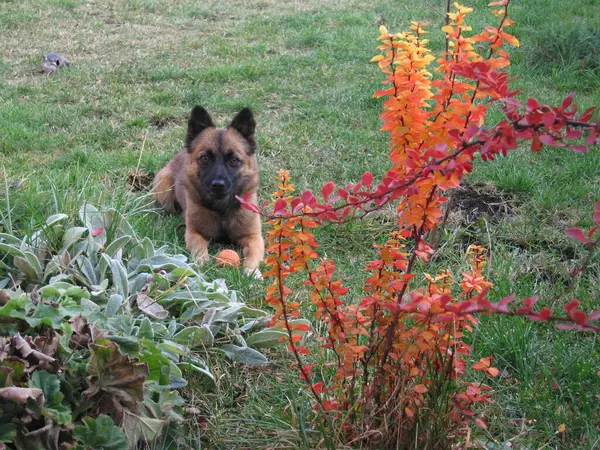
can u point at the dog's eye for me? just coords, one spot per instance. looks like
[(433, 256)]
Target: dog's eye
[(204, 159), (234, 161)]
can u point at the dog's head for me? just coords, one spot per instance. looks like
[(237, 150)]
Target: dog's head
[(222, 162)]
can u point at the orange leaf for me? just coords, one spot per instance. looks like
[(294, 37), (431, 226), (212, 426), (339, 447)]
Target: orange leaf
[(493, 372), (420, 389)]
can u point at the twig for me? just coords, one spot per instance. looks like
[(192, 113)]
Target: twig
[(447, 21), (137, 168)]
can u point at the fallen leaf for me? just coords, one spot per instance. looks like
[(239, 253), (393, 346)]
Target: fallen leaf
[(22, 395), (150, 307)]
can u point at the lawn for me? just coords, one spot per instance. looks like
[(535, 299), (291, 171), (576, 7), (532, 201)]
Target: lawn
[(118, 114)]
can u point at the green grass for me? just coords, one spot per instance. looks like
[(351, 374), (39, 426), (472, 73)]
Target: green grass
[(138, 68)]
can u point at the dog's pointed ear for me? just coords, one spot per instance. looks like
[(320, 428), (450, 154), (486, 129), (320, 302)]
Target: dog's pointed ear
[(199, 121), (244, 123)]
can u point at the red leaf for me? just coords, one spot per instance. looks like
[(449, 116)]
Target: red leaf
[(307, 197), (567, 326), (587, 114), (318, 387), (302, 350), (327, 189), (532, 104), (329, 405), (301, 327), (296, 205), (578, 316), (280, 205), (571, 305), (597, 213), (548, 139), (579, 148), (530, 302), (567, 101), (593, 316), (545, 314), (481, 423), (548, 119), (251, 206), (591, 139), (502, 305), (97, 232), (574, 134), (577, 233), (367, 179)]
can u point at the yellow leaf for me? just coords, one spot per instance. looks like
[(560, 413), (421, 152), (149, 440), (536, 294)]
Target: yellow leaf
[(376, 58), (562, 428), (383, 30)]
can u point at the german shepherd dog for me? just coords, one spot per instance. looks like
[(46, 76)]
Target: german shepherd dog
[(203, 180)]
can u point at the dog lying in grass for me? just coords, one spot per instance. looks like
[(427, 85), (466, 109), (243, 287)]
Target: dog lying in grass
[(203, 180)]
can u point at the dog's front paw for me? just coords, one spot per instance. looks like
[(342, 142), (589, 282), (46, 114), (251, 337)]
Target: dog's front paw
[(254, 273), (201, 258)]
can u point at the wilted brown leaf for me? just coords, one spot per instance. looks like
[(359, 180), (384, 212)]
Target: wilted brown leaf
[(25, 348), (114, 380), (82, 334), (150, 307), (5, 376), (137, 427), (4, 297), (4, 347), (47, 342), (22, 395)]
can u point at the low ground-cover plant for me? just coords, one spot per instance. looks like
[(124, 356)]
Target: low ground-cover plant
[(100, 328), (396, 376)]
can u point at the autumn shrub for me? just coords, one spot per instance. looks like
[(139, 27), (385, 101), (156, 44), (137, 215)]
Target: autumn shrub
[(399, 373)]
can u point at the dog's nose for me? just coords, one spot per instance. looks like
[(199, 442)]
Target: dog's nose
[(218, 185)]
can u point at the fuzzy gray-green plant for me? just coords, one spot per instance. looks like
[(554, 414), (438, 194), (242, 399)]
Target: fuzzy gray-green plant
[(100, 322)]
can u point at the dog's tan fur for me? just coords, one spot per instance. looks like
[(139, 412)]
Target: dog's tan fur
[(179, 184)]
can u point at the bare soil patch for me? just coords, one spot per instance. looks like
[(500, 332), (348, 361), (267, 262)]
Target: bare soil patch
[(469, 202)]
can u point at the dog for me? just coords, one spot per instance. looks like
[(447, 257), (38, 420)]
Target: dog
[(203, 180)]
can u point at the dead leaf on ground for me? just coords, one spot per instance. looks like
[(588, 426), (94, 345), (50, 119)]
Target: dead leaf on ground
[(115, 380), (150, 307), (22, 395), (25, 348)]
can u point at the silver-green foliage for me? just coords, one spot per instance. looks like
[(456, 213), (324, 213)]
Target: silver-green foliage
[(165, 318)]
